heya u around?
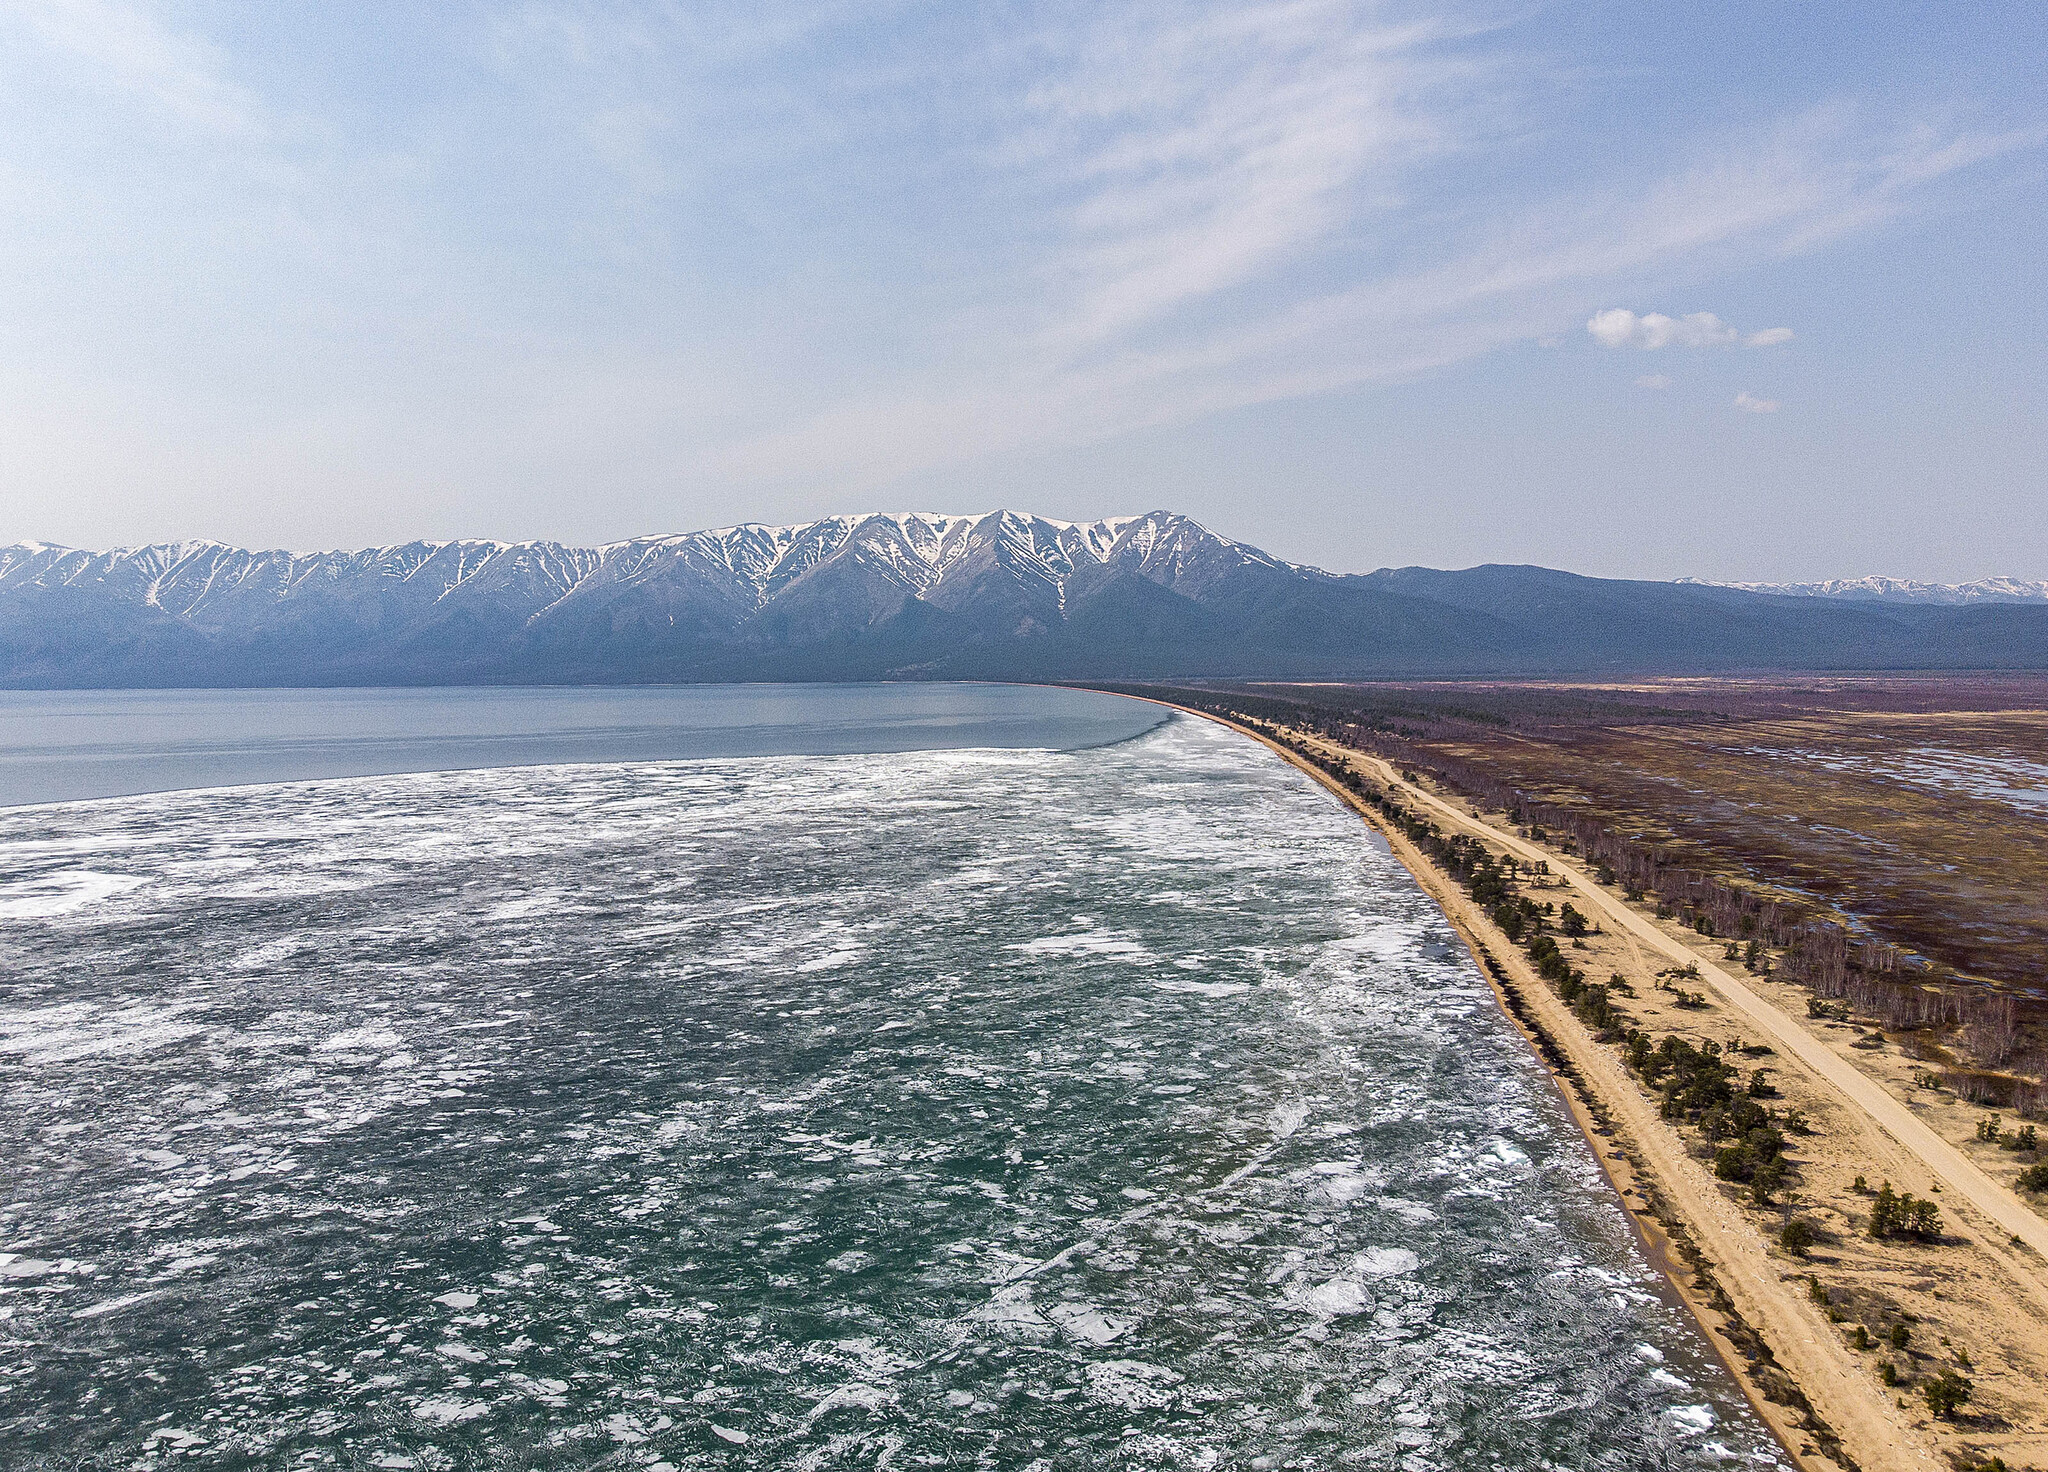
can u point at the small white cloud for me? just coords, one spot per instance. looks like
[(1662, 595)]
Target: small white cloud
[(1754, 405), (1618, 327), (1615, 327), (1654, 380)]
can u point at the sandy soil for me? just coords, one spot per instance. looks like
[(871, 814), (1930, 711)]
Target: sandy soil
[(1975, 1302)]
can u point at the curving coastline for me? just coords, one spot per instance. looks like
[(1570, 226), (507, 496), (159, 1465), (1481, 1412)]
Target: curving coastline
[(1771, 1323)]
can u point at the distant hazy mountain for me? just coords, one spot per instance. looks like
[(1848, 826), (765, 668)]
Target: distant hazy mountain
[(906, 596), (1901, 590)]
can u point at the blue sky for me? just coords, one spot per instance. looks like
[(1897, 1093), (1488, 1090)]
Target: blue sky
[(1319, 273)]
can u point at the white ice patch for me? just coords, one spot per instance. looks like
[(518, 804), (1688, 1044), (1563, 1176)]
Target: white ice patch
[(524, 906), (1341, 1296), (1696, 1419), (75, 1030), (1506, 1151), (1409, 1211), (1011, 1308), (112, 1305), (448, 1410), (1388, 1262), (456, 1299), (373, 1038), (50, 895), (1132, 1384), (1088, 1323), (1090, 943), (1343, 1182), (855, 1396), (845, 956), (1203, 988)]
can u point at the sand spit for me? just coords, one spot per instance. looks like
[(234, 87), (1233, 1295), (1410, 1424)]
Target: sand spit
[(1808, 1336)]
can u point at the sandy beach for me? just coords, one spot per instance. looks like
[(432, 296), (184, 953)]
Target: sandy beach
[(1833, 1344)]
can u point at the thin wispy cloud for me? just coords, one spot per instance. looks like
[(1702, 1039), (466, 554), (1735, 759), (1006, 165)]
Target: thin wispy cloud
[(1213, 145), (1749, 403), (130, 50), (1504, 279), (717, 251)]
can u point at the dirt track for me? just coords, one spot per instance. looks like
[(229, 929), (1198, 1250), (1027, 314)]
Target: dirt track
[(1765, 1308), (1998, 1205)]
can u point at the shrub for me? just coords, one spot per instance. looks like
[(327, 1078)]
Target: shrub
[(1900, 1335), (1887, 1373), (1944, 1393), (1734, 1163), (1769, 1176), (1796, 1236), (1901, 1214), (1859, 1337), (2034, 1178)]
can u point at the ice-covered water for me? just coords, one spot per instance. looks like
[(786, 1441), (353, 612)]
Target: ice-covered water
[(1127, 1106), (69, 745)]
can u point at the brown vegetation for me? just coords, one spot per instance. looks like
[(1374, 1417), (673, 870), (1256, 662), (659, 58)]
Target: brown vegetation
[(1847, 831)]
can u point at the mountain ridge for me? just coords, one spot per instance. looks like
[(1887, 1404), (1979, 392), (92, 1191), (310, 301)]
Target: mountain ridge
[(1880, 589), (999, 594)]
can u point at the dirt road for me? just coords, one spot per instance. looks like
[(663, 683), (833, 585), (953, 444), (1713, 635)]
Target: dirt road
[(1956, 1172)]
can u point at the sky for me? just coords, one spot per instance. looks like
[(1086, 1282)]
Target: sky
[(1731, 290)]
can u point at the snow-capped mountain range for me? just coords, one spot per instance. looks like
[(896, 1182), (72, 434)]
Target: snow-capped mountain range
[(916, 595), (1901, 590), (998, 576)]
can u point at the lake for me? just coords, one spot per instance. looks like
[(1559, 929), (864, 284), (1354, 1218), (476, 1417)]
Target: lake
[(1028, 1101)]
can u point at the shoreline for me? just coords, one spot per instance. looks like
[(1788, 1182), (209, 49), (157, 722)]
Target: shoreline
[(1668, 1236)]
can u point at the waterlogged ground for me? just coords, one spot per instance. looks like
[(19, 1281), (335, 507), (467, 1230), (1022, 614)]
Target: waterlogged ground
[(971, 1108)]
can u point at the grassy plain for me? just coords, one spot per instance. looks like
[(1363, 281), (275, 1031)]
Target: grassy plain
[(1913, 807)]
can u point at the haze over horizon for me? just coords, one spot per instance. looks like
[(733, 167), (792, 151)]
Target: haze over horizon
[(1632, 294)]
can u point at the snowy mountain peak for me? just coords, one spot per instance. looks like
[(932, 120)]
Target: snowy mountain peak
[(851, 569), (1899, 590)]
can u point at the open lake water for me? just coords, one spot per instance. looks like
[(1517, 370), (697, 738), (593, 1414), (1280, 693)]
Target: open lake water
[(1091, 1090)]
